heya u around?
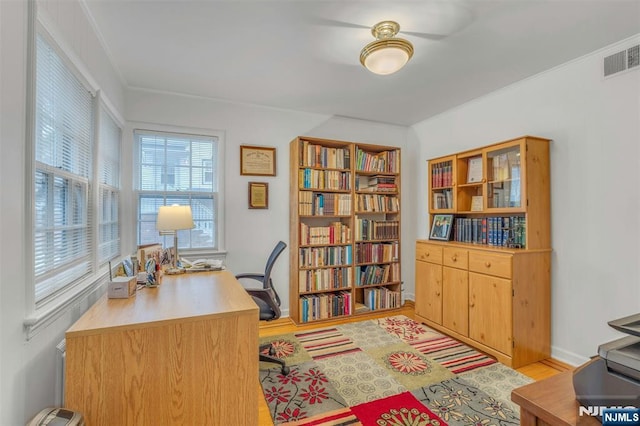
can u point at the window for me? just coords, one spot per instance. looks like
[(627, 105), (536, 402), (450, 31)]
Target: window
[(63, 158), (73, 235), (108, 188), (178, 169)]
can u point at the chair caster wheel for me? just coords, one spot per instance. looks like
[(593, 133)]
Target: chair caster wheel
[(272, 351), (285, 371)]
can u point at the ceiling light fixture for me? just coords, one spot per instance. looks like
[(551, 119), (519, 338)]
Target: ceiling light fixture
[(387, 54)]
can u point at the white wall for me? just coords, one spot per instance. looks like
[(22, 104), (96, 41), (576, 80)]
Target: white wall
[(252, 234), (27, 367), (595, 181)]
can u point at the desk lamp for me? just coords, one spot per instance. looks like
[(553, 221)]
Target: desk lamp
[(172, 219)]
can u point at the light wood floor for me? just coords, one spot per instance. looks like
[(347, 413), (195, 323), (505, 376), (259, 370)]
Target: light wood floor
[(537, 371)]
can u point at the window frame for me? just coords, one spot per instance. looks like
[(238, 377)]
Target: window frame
[(41, 313), (218, 251)]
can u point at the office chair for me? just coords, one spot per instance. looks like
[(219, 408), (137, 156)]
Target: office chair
[(268, 301)]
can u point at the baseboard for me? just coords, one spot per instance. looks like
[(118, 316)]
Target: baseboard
[(557, 365), (567, 357)]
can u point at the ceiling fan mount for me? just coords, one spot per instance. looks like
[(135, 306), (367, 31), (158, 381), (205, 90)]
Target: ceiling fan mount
[(385, 29)]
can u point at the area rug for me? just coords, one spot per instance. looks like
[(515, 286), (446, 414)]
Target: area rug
[(390, 371)]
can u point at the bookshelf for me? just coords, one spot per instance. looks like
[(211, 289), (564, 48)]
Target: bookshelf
[(344, 229), (512, 194), (489, 285)]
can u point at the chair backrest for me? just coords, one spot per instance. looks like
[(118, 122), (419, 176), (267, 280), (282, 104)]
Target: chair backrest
[(279, 248)]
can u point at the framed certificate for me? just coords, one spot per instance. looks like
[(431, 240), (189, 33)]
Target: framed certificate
[(258, 195), (474, 169), (257, 161)]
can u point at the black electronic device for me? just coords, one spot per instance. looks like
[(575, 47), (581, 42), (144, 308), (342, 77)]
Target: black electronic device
[(612, 378)]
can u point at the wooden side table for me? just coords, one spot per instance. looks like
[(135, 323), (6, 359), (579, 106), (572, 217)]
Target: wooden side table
[(550, 401)]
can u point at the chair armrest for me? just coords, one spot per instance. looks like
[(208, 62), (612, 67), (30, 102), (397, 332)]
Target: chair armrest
[(267, 296), (251, 276)]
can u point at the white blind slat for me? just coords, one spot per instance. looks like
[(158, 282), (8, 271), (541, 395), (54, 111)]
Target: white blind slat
[(62, 177), (177, 169), (109, 138)]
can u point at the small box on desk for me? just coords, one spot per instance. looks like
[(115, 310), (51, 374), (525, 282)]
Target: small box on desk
[(122, 287)]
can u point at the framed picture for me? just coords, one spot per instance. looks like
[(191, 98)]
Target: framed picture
[(474, 170), (441, 227), (257, 161), (258, 195)]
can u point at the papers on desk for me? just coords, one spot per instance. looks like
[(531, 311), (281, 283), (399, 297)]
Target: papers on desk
[(202, 265)]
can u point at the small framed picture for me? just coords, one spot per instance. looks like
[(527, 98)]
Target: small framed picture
[(258, 195), (441, 227), (257, 161)]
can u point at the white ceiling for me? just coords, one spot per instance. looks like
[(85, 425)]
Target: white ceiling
[(304, 54)]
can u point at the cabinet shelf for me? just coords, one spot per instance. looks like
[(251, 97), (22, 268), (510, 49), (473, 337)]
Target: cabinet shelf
[(383, 240), (331, 290), (336, 191), (378, 285), (324, 169), (384, 262), (471, 185), (367, 177), (319, 216), (311, 268), (322, 245)]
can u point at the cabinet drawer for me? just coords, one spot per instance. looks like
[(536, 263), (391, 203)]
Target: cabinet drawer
[(455, 257), (495, 264), (429, 253)]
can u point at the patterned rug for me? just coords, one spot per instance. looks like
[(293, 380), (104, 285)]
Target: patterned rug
[(386, 372)]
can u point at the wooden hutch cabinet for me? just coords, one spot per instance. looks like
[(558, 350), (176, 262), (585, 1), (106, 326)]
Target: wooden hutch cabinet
[(488, 282)]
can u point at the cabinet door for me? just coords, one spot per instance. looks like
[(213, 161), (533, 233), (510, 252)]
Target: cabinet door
[(504, 171), (490, 305), (455, 300), (429, 291)]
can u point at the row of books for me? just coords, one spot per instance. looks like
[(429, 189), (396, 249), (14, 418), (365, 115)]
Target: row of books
[(324, 279), (508, 231), (311, 257), (442, 174), (335, 233), (324, 179), (323, 204), (381, 298), (443, 199), (384, 162), (368, 229), (377, 203), (376, 252), (377, 274), (376, 183), (313, 155), (323, 306)]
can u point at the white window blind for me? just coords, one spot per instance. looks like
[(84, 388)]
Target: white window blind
[(63, 158), (108, 187), (177, 169)]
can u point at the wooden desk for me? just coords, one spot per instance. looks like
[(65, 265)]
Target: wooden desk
[(550, 401), (184, 353)]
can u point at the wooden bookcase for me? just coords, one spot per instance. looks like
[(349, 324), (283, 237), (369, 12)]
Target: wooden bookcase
[(489, 284), (344, 229)]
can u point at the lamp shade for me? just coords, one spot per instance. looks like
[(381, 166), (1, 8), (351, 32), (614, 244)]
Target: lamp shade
[(387, 54), (174, 217)]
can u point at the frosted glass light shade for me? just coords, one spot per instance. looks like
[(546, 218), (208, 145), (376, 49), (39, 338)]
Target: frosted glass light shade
[(385, 60)]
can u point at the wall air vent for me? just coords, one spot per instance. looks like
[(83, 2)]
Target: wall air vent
[(621, 61)]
